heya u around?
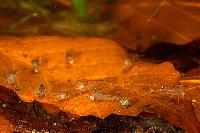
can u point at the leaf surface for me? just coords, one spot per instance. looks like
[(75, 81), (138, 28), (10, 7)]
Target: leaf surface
[(145, 23), (92, 77)]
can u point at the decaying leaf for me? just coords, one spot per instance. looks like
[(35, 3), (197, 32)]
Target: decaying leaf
[(96, 83), (5, 126), (146, 23), (192, 83)]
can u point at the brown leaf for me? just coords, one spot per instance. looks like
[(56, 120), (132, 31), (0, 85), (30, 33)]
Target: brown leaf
[(192, 83), (143, 24), (92, 77), (6, 126)]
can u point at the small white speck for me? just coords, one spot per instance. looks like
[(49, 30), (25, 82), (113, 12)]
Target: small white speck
[(36, 70), (4, 105), (80, 85), (62, 96), (33, 131), (92, 98), (135, 73), (194, 101), (54, 124)]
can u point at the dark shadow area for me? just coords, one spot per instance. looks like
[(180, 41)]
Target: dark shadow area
[(184, 57)]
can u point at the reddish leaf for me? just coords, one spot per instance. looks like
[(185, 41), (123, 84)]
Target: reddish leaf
[(192, 83), (92, 77), (143, 24), (5, 125)]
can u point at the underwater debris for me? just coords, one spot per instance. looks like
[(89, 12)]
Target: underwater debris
[(69, 57), (125, 103), (194, 101), (41, 91), (62, 96), (35, 65), (11, 77), (22, 21), (178, 90), (98, 95), (127, 64), (80, 85)]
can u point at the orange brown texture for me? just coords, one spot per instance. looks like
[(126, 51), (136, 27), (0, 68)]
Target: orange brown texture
[(192, 83), (145, 23), (90, 76), (5, 125)]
